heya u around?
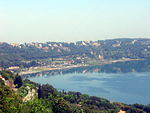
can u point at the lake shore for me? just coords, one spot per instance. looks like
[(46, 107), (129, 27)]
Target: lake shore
[(33, 70)]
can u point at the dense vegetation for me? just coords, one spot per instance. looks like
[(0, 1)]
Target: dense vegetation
[(49, 100), (26, 55)]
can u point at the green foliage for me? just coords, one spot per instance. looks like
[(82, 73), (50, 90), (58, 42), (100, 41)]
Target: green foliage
[(59, 105), (29, 83), (45, 90), (76, 109), (22, 91), (91, 104), (2, 82), (37, 106), (9, 101)]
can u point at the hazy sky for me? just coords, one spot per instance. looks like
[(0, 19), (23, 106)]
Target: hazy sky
[(73, 20)]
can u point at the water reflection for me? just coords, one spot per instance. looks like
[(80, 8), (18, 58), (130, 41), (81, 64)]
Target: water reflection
[(120, 67), (126, 82)]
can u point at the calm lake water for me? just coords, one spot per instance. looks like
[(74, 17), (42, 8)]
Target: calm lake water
[(127, 82)]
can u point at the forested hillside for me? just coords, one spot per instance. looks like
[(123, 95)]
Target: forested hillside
[(26, 54)]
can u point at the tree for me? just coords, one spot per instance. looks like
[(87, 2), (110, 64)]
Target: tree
[(45, 90), (18, 81)]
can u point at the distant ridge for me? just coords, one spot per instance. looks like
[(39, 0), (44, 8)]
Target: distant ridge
[(15, 54)]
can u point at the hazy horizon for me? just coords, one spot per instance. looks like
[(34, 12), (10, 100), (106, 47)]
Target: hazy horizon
[(66, 41), (71, 21)]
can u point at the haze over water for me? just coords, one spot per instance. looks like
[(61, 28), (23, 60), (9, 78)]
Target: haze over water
[(126, 82)]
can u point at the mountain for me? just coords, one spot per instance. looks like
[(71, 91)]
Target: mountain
[(27, 54)]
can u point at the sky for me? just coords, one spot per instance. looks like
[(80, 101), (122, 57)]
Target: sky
[(73, 20)]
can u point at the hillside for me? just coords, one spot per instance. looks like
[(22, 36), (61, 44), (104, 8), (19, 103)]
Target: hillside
[(35, 54), (28, 97)]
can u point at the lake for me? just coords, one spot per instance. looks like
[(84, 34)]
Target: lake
[(127, 82)]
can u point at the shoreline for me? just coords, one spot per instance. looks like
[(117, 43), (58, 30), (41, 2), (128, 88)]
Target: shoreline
[(34, 70), (41, 69)]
